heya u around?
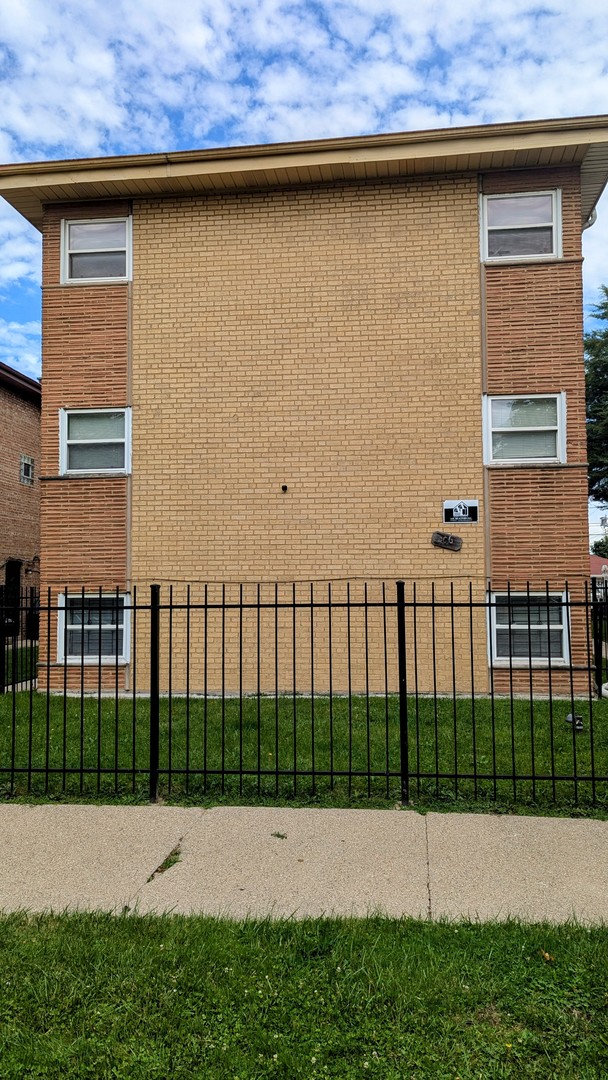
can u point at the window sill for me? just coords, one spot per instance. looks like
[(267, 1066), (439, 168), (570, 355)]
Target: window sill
[(97, 281), (91, 662), (533, 463), (102, 474), (525, 664)]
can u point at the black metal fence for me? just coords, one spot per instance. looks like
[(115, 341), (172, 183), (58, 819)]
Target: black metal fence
[(335, 692), (19, 623)]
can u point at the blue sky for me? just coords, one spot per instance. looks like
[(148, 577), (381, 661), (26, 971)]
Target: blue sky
[(90, 77)]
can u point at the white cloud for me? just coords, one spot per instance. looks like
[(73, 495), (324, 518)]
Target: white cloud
[(79, 78), (20, 346)]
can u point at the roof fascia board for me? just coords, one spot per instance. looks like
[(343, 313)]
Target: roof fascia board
[(443, 145)]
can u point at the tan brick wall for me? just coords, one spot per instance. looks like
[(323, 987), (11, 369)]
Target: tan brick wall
[(19, 434), (328, 339), (324, 338)]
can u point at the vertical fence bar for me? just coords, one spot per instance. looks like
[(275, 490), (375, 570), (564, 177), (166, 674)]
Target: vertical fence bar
[(170, 698), (435, 697), (490, 623), (134, 686), (258, 691), (416, 686), (188, 650), (473, 709), (386, 708), (454, 700), (294, 691), (2, 642), (550, 690), (401, 657), (241, 689), (350, 692), (154, 689), (331, 689), (312, 688), (367, 716), (598, 657), (590, 696)]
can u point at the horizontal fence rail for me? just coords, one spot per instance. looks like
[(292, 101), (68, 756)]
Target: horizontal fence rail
[(334, 692)]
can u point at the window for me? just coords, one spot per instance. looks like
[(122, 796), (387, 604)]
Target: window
[(95, 441), (529, 628), (93, 628), (26, 473), (96, 250), (525, 429), (525, 226)]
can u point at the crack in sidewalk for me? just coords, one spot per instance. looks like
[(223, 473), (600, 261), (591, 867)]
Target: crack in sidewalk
[(429, 910)]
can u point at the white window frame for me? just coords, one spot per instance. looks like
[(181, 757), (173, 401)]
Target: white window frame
[(66, 251), (499, 598), (105, 659), (26, 463), (556, 203), (63, 442), (560, 430)]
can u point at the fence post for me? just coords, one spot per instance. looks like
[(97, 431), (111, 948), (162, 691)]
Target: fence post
[(597, 608), (154, 689), (403, 727)]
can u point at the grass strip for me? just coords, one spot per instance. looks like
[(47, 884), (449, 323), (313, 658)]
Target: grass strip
[(494, 753), (140, 998)]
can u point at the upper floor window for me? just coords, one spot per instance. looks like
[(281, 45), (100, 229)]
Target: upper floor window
[(95, 441), (525, 226), (26, 471), (96, 251), (526, 429)]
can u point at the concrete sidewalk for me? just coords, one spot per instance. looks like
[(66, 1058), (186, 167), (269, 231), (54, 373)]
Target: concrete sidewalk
[(258, 861)]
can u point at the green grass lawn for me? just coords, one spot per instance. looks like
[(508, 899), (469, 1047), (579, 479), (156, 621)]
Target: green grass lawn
[(213, 750), (134, 998)]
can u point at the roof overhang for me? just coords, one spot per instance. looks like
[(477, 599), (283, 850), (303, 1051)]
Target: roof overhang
[(20, 384), (527, 144)]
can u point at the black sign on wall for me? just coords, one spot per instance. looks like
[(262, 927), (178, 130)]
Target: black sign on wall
[(461, 511)]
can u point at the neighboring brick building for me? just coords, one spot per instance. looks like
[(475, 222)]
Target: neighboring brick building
[(19, 482), (279, 362)]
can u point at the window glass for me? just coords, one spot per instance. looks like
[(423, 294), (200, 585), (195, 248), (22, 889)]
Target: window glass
[(95, 250), (101, 264), (97, 235), (95, 440), (529, 627), (96, 425), (93, 456), (94, 626), (520, 210), (521, 226), (522, 242), (511, 446), (524, 412)]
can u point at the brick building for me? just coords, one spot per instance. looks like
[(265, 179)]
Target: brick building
[(19, 484), (300, 361)]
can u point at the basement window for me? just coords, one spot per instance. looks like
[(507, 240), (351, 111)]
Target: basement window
[(94, 441), (26, 470), (93, 628), (528, 429), (523, 226), (96, 251), (529, 628)]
